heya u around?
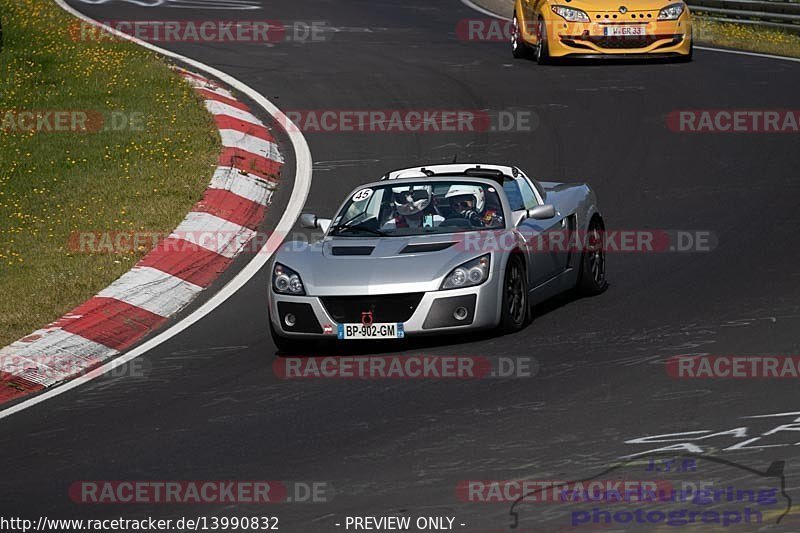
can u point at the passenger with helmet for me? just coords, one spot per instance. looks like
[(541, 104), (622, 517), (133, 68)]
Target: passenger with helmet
[(469, 202), (413, 208)]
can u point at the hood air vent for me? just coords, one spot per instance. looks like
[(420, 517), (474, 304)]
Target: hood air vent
[(426, 247), (352, 250)]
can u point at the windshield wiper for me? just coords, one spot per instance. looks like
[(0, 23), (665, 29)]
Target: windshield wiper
[(352, 219), (338, 230)]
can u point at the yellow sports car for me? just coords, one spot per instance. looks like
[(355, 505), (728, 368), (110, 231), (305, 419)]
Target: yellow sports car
[(550, 29)]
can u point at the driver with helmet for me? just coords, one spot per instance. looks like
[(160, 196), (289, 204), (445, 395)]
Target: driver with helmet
[(413, 208), (469, 202)]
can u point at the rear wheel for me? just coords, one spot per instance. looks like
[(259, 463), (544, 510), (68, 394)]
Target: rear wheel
[(542, 49), (515, 310), (592, 278), (519, 48)]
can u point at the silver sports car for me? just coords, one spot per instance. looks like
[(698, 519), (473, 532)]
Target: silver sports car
[(435, 249)]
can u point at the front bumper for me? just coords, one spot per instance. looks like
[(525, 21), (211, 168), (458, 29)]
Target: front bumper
[(589, 39), (420, 313)]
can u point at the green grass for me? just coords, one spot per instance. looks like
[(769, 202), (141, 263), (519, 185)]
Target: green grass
[(746, 37), (55, 184)]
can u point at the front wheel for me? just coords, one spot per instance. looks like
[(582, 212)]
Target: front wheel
[(542, 49), (592, 277), (515, 312), (519, 49)]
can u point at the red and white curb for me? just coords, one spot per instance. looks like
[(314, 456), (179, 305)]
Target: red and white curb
[(169, 277)]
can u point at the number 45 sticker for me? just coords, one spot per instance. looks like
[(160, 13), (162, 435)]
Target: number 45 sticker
[(362, 195)]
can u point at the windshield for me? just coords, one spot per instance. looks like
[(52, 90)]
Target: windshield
[(420, 208)]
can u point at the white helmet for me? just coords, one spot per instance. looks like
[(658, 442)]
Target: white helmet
[(411, 200), (476, 191)]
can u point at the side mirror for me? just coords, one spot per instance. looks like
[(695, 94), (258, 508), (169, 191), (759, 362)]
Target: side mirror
[(310, 221), (542, 212)]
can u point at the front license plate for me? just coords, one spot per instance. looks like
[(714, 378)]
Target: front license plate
[(623, 31), (388, 330)]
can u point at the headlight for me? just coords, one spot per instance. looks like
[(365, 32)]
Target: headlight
[(469, 274), (571, 14), (286, 281), (671, 12)]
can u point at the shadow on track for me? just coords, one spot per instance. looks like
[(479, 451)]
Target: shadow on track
[(455, 339)]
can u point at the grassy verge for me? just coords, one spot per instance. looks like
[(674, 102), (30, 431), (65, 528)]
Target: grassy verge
[(746, 37), (142, 170)]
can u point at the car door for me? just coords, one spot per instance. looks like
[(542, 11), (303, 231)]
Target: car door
[(543, 264)]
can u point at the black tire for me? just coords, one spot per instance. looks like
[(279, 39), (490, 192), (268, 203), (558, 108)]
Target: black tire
[(592, 277), (516, 310), (542, 50), (519, 48), (288, 346)]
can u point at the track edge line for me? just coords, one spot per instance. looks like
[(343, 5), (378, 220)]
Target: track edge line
[(302, 186)]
